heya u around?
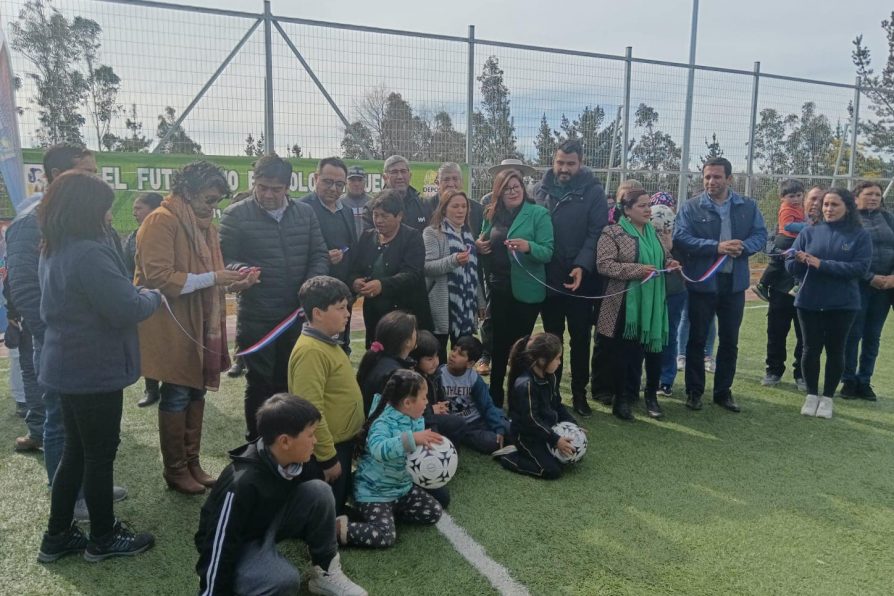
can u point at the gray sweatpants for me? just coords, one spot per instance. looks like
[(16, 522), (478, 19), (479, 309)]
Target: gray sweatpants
[(262, 571)]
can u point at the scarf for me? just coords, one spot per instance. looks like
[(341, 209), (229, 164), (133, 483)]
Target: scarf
[(646, 308), (462, 282), (206, 247)]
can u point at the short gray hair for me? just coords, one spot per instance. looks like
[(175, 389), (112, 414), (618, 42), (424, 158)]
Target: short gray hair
[(449, 166), (395, 159)]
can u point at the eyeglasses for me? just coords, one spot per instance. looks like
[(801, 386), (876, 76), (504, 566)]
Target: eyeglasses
[(325, 182), (512, 189), (401, 172)]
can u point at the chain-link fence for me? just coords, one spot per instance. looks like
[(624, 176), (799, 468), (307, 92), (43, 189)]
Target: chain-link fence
[(133, 75)]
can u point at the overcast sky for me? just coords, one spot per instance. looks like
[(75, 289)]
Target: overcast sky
[(792, 37)]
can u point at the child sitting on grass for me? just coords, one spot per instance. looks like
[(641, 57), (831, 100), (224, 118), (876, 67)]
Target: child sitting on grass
[(263, 497), (395, 339), (535, 407), (428, 363), (383, 488), (468, 397)]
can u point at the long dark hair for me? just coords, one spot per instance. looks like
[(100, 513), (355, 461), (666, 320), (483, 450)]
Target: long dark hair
[(440, 213), (528, 351), (852, 214), (392, 332), (402, 383), (74, 207)]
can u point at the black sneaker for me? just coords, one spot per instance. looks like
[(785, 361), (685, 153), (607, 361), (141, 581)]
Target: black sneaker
[(865, 392), (694, 401), (121, 542), (55, 547), (665, 390), (849, 390), (581, 406)]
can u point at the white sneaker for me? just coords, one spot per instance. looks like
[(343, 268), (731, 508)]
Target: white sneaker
[(810, 405), (824, 410), (507, 450), (681, 362), (333, 582), (341, 529), (710, 364)]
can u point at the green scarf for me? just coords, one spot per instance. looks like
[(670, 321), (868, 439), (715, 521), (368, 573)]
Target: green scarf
[(646, 302)]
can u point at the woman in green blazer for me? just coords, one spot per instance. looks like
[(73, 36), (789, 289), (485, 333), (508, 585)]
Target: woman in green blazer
[(513, 224)]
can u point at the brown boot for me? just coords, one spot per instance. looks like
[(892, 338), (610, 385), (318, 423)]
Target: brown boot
[(194, 415), (171, 433)]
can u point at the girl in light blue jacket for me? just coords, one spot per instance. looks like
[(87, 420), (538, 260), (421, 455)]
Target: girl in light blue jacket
[(383, 489)]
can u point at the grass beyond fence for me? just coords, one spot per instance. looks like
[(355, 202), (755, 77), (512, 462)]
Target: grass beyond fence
[(762, 502)]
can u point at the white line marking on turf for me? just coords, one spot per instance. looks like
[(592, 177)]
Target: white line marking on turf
[(757, 306), (474, 553)]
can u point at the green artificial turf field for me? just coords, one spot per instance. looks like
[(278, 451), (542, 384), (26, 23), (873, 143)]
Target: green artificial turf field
[(766, 501)]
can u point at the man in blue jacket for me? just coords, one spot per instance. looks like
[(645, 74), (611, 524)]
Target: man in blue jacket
[(717, 224), (576, 201)]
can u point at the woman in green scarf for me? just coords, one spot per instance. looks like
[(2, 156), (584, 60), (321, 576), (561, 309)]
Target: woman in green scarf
[(633, 323)]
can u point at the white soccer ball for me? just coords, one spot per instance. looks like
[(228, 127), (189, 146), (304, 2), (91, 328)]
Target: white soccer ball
[(433, 466), (578, 439)]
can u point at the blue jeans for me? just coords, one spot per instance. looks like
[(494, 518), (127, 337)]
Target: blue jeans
[(865, 334), (675, 307), (53, 426), (176, 398), (36, 415), (683, 332)]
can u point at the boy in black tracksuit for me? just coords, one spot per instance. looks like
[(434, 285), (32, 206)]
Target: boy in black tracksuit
[(263, 497)]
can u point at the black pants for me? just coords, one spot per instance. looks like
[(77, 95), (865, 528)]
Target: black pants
[(533, 458), (824, 329), (579, 314), (92, 429), (512, 320), (780, 316), (343, 486), (267, 371), (627, 358), (703, 306)]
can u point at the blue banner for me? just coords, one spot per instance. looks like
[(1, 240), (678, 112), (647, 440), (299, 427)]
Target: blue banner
[(11, 165)]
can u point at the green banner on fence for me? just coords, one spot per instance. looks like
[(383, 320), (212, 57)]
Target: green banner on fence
[(132, 173)]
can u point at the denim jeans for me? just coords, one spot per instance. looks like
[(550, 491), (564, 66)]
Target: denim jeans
[(53, 427), (728, 307), (176, 398), (36, 415), (676, 304), (16, 385), (865, 334)]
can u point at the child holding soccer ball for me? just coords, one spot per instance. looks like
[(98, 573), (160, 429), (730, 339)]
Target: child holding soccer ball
[(535, 407), (383, 488)]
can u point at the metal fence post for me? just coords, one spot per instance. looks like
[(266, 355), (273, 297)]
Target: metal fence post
[(470, 94), (851, 167), (683, 188), (268, 82), (628, 72), (749, 169)]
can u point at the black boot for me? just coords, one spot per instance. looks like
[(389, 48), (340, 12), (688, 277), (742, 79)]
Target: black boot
[(652, 407), (151, 394), (581, 406), (849, 390), (621, 408)]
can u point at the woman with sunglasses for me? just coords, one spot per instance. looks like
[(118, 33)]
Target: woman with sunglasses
[(516, 242), (185, 345)]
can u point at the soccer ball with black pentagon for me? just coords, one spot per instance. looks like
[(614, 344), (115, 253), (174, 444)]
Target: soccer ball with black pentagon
[(433, 466), (578, 439)]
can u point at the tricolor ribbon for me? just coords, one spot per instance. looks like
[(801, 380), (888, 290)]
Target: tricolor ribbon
[(707, 274), (273, 333)]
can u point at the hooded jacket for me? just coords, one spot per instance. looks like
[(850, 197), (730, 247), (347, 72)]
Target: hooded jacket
[(578, 212), (248, 495), (382, 475)]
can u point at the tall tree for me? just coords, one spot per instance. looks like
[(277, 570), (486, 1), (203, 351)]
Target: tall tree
[(386, 125), (134, 141), (879, 88), (358, 143), (179, 141), (447, 143), (769, 143), (493, 125), (48, 41), (808, 140), (655, 150), (102, 83), (254, 147), (713, 147), (545, 143)]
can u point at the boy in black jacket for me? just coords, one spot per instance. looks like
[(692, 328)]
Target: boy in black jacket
[(263, 497)]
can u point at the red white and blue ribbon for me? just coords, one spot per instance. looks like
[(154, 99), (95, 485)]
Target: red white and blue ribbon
[(707, 274), (273, 333)]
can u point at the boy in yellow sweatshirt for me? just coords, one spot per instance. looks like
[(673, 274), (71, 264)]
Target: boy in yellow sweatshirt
[(321, 373)]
